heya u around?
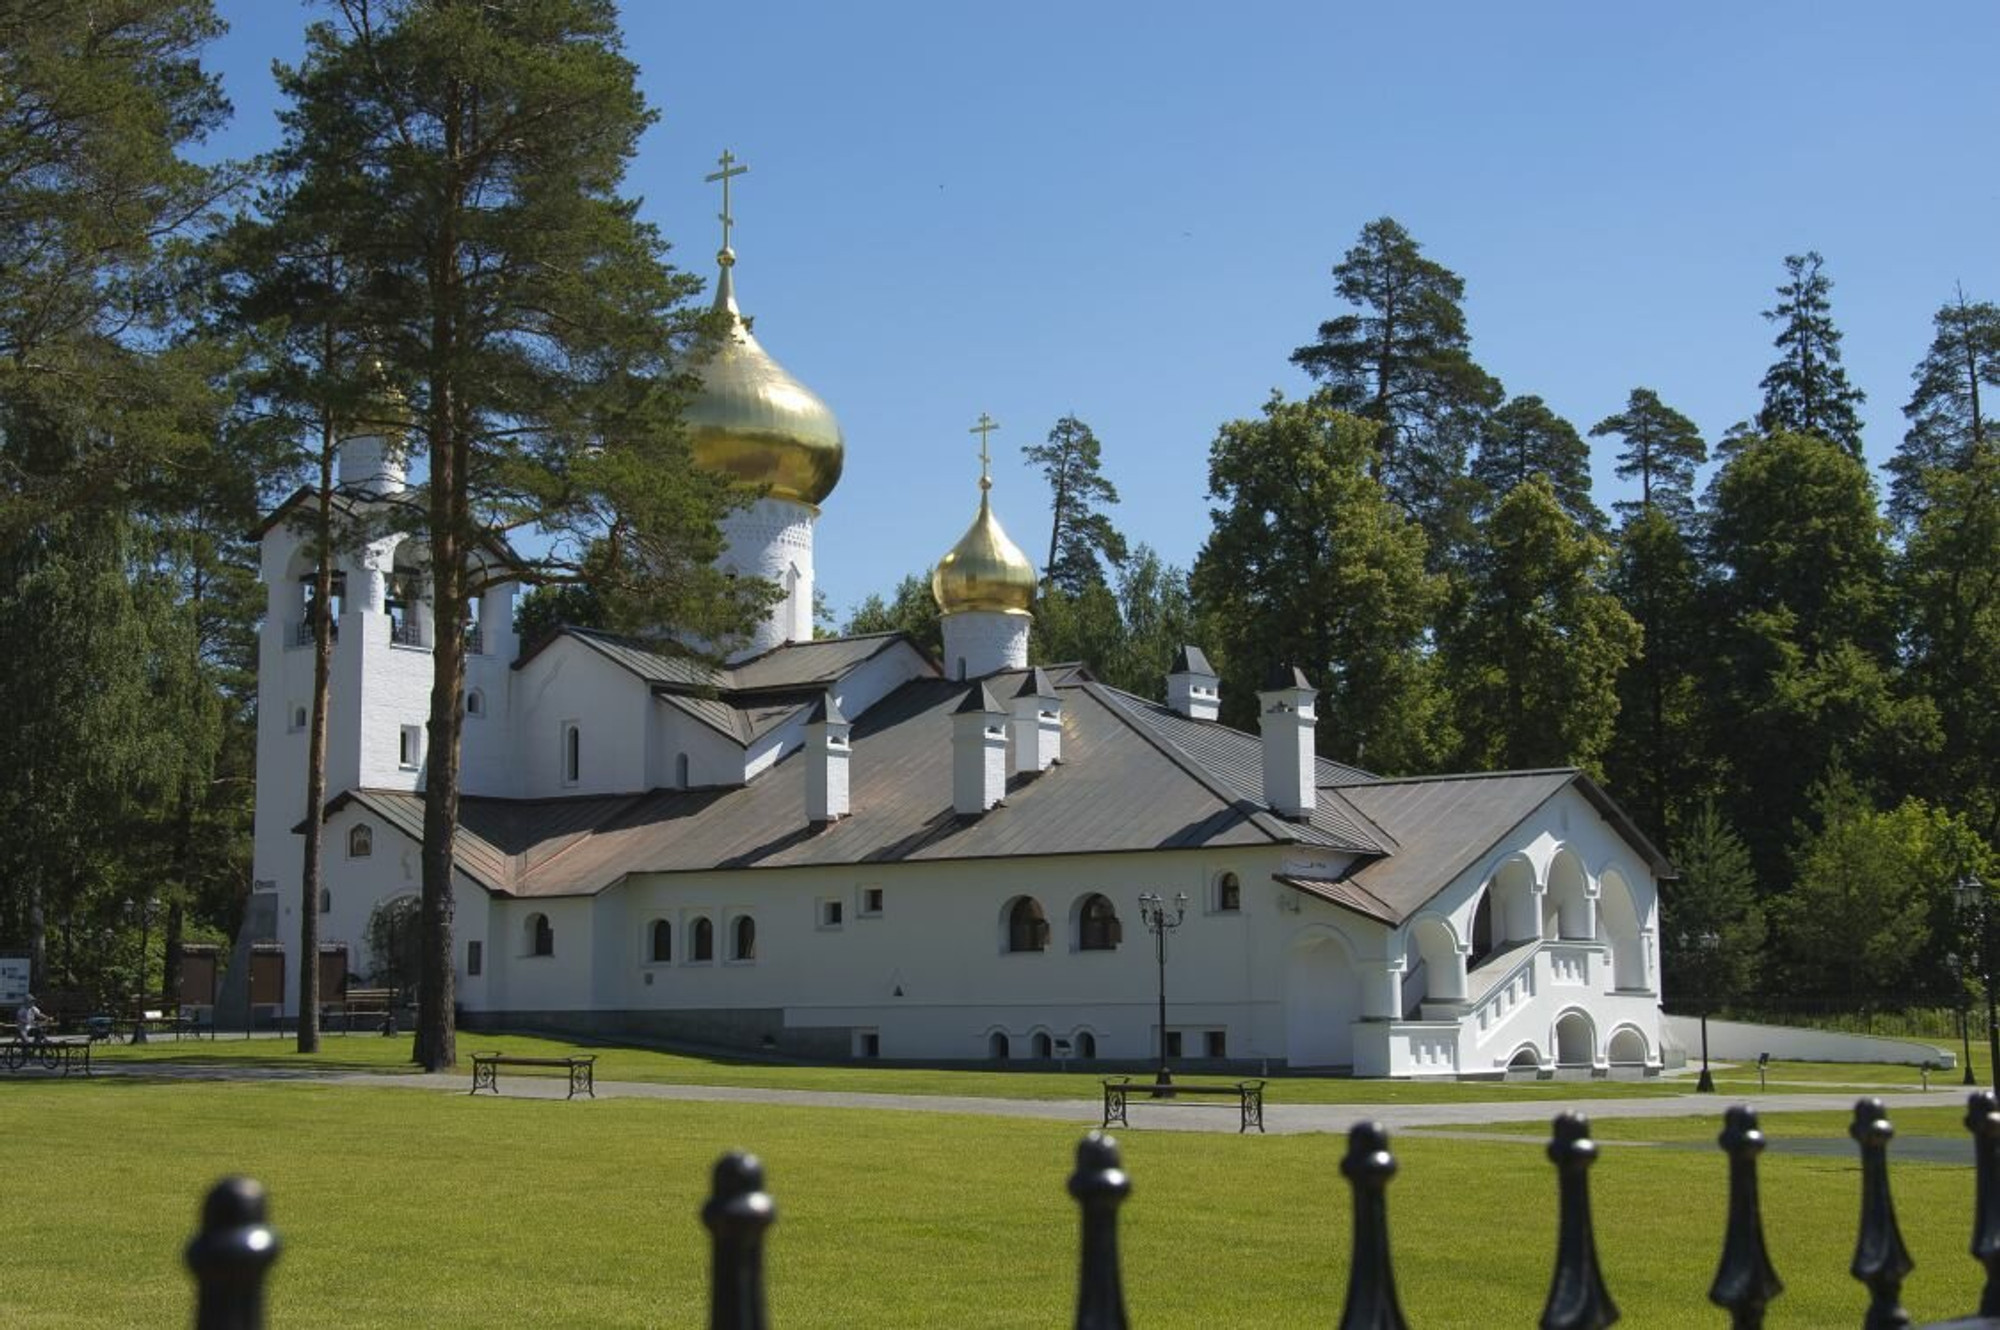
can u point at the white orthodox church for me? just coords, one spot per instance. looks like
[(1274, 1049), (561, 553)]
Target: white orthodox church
[(843, 848)]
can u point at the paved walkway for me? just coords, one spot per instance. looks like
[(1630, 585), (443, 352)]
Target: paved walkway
[(1212, 1117)]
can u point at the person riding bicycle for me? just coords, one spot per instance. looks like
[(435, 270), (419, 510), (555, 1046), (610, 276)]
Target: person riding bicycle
[(29, 1021)]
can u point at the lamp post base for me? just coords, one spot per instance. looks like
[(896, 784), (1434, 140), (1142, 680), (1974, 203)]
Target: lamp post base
[(1705, 1085), (1163, 1084)]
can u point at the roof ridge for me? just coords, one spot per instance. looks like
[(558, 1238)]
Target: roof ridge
[(1180, 757), (1438, 777)]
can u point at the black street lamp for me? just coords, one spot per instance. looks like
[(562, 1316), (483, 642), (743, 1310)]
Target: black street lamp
[(1153, 913), (1975, 908), (1710, 947), (1957, 968)]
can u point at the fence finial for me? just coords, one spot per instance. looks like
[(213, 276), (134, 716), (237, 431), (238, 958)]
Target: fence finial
[(1881, 1261), (1371, 1279), (1745, 1283), (1100, 1186), (1982, 1119), (1578, 1299), (738, 1212), (230, 1257)]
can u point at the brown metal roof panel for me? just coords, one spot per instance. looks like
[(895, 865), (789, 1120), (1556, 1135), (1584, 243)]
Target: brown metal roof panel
[(1443, 826), (1344, 893), (797, 664)]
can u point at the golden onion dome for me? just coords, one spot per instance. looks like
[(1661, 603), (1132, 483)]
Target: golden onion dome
[(984, 570), (755, 423)]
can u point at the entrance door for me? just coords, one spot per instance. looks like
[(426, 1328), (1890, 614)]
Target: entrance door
[(332, 974), (1322, 1001), (267, 979), (197, 979)]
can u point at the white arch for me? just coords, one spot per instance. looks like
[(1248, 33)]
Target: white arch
[(1567, 909), (1620, 924), (1514, 886), (1574, 1037), (1076, 1041), (1436, 941), (1534, 1061), (1322, 998), (1628, 1046)]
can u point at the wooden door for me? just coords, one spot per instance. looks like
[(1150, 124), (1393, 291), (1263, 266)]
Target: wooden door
[(267, 979), (197, 979), (332, 974)]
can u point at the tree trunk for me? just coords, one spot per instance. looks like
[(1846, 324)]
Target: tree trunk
[(315, 823), (436, 1047)]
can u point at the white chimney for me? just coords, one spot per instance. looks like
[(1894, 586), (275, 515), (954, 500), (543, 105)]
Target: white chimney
[(1285, 715), (978, 753), (1193, 689), (826, 762), (1037, 725)]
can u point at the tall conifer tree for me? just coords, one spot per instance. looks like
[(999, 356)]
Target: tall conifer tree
[(1662, 450), (1081, 537), (1950, 410), (533, 322), (1403, 360), (1806, 391), (1524, 438)]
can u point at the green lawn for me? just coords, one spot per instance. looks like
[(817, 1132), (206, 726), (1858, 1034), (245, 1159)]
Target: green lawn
[(400, 1208), (1705, 1128), (363, 1052)]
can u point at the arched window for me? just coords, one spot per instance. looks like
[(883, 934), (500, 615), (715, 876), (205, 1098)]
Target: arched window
[(996, 1046), (572, 753), (1042, 1046), (326, 900), (475, 703), (681, 770), (541, 936), (1229, 893), (701, 945), (743, 939), (1482, 929), (1027, 926), (1097, 926), (1086, 1044), (662, 948), (360, 841)]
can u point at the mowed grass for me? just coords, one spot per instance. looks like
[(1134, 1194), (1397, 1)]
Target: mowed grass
[(1704, 1128), (369, 1052), (401, 1207)]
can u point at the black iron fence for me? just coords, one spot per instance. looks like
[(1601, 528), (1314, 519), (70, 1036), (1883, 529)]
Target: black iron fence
[(235, 1247)]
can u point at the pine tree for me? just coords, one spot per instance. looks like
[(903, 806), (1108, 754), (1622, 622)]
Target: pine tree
[(1525, 438), (1081, 537), (98, 107), (1806, 391), (1662, 450), (1310, 563), (1403, 362), (1534, 650), (532, 322), (1948, 412)]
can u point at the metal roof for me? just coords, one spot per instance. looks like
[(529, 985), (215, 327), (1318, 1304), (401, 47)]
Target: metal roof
[(1135, 776)]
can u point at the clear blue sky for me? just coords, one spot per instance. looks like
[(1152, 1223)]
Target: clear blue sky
[(1130, 211)]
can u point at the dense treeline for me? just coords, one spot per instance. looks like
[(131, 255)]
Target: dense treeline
[(1791, 689)]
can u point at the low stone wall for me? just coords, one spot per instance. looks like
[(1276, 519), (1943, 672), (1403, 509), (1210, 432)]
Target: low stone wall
[(1740, 1041)]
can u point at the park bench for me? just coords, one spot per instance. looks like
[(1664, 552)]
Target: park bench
[(65, 1053), (486, 1071), (376, 1006), (1120, 1090)]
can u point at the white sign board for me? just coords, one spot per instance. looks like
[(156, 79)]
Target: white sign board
[(13, 980)]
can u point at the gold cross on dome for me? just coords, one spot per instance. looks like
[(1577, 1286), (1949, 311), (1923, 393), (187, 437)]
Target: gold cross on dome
[(730, 170), (985, 427)]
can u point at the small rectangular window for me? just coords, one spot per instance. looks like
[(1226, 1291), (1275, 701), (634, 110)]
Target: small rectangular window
[(867, 1044), (1218, 1043), (475, 957), (411, 747), (829, 913), (1173, 1043), (871, 900)]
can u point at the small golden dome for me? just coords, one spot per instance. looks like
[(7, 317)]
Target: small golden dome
[(984, 570), (755, 423)]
